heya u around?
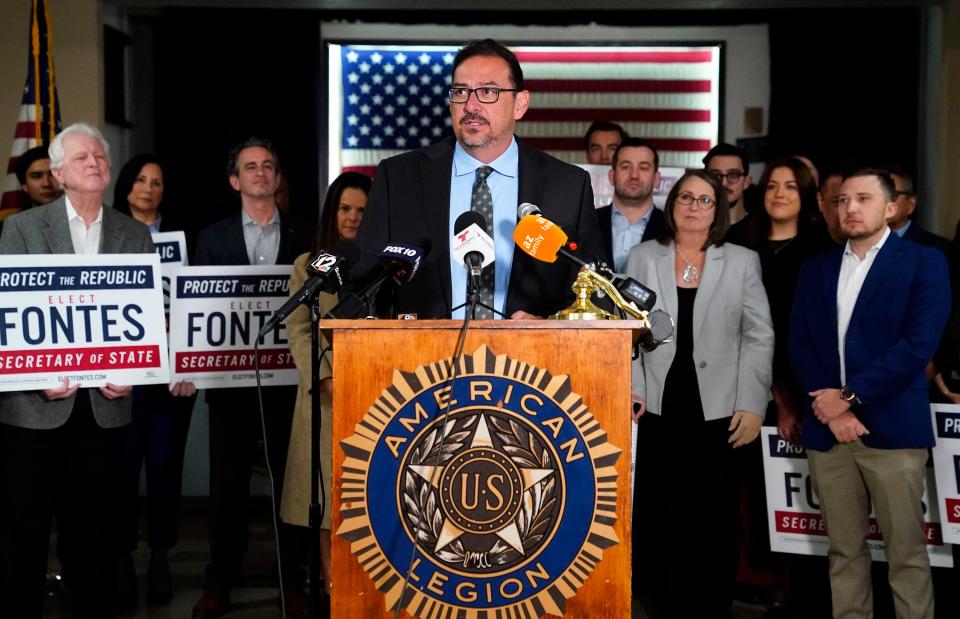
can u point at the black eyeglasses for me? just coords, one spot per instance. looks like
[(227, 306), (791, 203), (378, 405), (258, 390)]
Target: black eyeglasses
[(897, 194), (703, 202), (732, 176), (485, 94)]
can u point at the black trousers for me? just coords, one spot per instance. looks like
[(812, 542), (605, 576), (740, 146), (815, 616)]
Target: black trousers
[(686, 493), (155, 440), (73, 467), (235, 431)]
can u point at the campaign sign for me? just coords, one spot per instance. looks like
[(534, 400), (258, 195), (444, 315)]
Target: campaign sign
[(172, 249), (946, 462), (94, 320), (215, 316), (603, 189), (793, 508)]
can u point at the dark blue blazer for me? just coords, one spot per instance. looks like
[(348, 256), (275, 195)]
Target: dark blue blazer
[(896, 324)]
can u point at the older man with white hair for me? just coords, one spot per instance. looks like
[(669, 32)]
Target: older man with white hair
[(61, 446)]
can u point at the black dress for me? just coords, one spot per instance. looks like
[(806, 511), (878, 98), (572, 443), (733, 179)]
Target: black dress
[(685, 495)]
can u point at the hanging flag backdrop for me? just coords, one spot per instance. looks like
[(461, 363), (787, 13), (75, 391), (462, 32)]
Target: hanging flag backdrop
[(39, 118), (385, 100)]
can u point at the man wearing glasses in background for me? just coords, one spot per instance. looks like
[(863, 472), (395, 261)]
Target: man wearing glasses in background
[(902, 223), (730, 165), (486, 169)]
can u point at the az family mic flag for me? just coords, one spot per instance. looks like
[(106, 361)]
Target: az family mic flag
[(388, 99), (39, 119)]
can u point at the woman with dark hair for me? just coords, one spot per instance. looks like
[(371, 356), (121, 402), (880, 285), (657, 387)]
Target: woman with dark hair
[(157, 434), (696, 399), (786, 232), (339, 220)]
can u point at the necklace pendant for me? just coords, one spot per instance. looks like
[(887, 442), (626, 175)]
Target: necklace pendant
[(691, 273)]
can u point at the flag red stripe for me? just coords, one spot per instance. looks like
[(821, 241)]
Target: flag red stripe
[(369, 170), (658, 86), (25, 130), (675, 144), (641, 115), (14, 201), (617, 56)]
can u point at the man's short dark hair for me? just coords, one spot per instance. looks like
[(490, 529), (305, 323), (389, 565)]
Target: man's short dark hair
[(26, 160), (250, 142), (489, 47), (728, 150), (886, 182), (602, 125), (898, 170), (637, 143)]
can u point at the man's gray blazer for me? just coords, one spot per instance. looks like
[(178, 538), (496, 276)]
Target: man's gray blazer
[(44, 230), (732, 329)]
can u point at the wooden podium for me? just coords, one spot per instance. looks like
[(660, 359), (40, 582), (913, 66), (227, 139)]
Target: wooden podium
[(376, 370)]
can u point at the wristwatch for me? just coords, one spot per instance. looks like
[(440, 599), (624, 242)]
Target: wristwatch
[(846, 393)]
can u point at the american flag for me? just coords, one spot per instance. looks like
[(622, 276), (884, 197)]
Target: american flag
[(386, 100), (39, 119)]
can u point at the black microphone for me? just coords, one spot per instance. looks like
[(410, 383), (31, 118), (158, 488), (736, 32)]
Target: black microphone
[(397, 262), (325, 276), (472, 246)]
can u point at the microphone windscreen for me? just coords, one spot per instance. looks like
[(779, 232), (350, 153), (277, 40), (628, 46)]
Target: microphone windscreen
[(539, 238), (661, 325), (465, 220)]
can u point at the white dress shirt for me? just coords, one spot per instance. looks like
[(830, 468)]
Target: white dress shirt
[(86, 239), (853, 272)]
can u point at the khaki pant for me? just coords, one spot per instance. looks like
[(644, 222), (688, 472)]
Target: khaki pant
[(846, 478)]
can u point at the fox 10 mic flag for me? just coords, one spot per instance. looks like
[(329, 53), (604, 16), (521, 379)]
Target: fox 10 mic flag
[(39, 119), (388, 99)]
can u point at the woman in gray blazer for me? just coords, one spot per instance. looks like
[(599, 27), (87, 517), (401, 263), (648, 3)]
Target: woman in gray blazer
[(695, 400)]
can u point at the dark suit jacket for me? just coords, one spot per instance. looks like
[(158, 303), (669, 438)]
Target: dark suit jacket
[(894, 329), (410, 199), (44, 230), (920, 235), (605, 216), (222, 244)]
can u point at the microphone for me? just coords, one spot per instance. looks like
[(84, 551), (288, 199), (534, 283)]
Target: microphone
[(472, 246), (543, 240), (398, 262), (325, 276), (526, 209)]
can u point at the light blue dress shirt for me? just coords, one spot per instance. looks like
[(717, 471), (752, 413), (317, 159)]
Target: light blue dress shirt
[(626, 235), (903, 229), (155, 226), (505, 188)]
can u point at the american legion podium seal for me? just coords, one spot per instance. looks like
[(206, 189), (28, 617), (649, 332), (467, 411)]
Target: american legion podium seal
[(512, 499)]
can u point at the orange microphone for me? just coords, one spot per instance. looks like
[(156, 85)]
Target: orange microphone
[(539, 237)]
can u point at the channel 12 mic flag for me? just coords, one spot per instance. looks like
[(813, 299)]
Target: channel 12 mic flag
[(385, 100), (39, 119)]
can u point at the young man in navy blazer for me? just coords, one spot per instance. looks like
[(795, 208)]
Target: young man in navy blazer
[(866, 321)]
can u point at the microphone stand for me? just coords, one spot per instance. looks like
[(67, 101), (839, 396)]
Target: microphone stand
[(316, 509), (472, 301)]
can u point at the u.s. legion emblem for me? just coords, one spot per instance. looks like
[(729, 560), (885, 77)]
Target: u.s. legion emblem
[(502, 476)]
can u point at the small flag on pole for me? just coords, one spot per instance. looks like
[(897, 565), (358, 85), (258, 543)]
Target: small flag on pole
[(39, 119)]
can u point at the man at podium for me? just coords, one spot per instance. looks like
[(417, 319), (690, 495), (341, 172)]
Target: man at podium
[(484, 168)]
